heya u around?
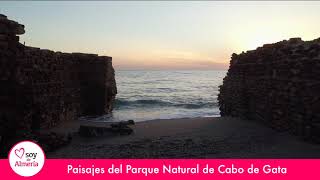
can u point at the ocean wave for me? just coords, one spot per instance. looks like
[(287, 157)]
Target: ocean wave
[(150, 103)]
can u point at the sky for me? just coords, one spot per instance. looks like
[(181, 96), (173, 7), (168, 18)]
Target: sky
[(163, 34)]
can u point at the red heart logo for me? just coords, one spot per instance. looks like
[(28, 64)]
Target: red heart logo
[(19, 152)]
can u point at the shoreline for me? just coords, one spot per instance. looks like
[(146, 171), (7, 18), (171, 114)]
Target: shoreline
[(144, 120), (205, 137)]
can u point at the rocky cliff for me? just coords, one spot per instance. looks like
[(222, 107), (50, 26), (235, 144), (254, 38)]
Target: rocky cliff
[(41, 88), (278, 84)]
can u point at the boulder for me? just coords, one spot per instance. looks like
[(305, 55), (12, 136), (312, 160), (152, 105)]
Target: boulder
[(97, 130)]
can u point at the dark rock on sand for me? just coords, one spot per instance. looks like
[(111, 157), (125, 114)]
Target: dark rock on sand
[(52, 141), (96, 130)]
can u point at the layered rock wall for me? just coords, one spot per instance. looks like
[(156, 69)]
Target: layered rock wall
[(41, 88), (278, 84)]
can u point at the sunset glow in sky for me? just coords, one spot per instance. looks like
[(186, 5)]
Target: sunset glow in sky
[(163, 35)]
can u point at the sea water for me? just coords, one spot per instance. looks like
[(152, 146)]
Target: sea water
[(148, 95)]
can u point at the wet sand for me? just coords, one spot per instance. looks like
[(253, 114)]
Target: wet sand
[(190, 138)]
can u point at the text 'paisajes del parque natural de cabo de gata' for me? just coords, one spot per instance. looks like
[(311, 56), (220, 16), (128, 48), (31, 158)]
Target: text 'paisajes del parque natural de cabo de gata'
[(169, 169)]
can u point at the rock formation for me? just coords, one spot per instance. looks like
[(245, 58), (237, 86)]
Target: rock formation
[(278, 84), (41, 88)]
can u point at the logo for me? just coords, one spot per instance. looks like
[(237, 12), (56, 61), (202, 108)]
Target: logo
[(26, 158)]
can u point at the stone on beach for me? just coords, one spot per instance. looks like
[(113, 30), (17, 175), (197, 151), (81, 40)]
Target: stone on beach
[(51, 141), (96, 130)]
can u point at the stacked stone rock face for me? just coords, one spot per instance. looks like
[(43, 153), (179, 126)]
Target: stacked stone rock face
[(278, 84), (10, 98), (41, 88)]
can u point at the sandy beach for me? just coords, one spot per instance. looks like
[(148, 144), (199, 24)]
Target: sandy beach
[(190, 138)]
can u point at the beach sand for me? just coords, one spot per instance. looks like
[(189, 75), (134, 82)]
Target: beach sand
[(222, 137)]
